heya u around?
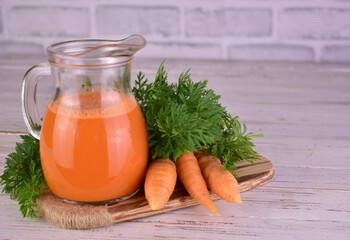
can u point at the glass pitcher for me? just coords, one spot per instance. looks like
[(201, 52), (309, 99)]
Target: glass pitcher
[(93, 139)]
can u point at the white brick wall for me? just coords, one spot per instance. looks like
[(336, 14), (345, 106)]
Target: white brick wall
[(315, 23), (336, 53), (272, 30), (48, 21), (1, 27), (242, 22), (183, 50), (145, 20), (273, 52), (14, 47)]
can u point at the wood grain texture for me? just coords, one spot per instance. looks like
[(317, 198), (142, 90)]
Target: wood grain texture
[(73, 216), (302, 109)]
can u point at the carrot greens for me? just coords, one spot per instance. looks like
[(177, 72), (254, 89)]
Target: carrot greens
[(23, 178), (179, 117), (186, 116)]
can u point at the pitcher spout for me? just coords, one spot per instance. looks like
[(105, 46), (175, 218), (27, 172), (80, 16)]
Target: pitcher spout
[(117, 48)]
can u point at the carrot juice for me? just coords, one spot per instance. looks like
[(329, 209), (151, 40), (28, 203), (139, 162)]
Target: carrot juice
[(93, 146)]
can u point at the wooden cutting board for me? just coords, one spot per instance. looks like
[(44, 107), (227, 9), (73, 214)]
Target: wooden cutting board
[(74, 216)]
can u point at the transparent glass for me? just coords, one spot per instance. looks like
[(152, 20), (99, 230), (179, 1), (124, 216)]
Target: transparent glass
[(93, 139)]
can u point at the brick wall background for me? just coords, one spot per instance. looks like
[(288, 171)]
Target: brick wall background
[(275, 30)]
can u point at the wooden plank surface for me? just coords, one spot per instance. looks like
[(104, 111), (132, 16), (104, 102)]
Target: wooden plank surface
[(303, 110)]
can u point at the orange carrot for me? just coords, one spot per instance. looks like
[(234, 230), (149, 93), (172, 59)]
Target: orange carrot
[(220, 181), (160, 182), (191, 177)]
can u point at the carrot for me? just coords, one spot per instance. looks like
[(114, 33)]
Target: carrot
[(191, 177), (160, 182), (220, 181)]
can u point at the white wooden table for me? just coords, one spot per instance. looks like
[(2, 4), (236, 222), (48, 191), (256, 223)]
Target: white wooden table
[(302, 109)]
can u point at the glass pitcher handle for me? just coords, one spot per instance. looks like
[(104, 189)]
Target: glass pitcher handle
[(29, 106)]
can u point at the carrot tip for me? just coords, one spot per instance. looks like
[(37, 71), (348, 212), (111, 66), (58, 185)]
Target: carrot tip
[(154, 205), (238, 199), (214, 210)]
